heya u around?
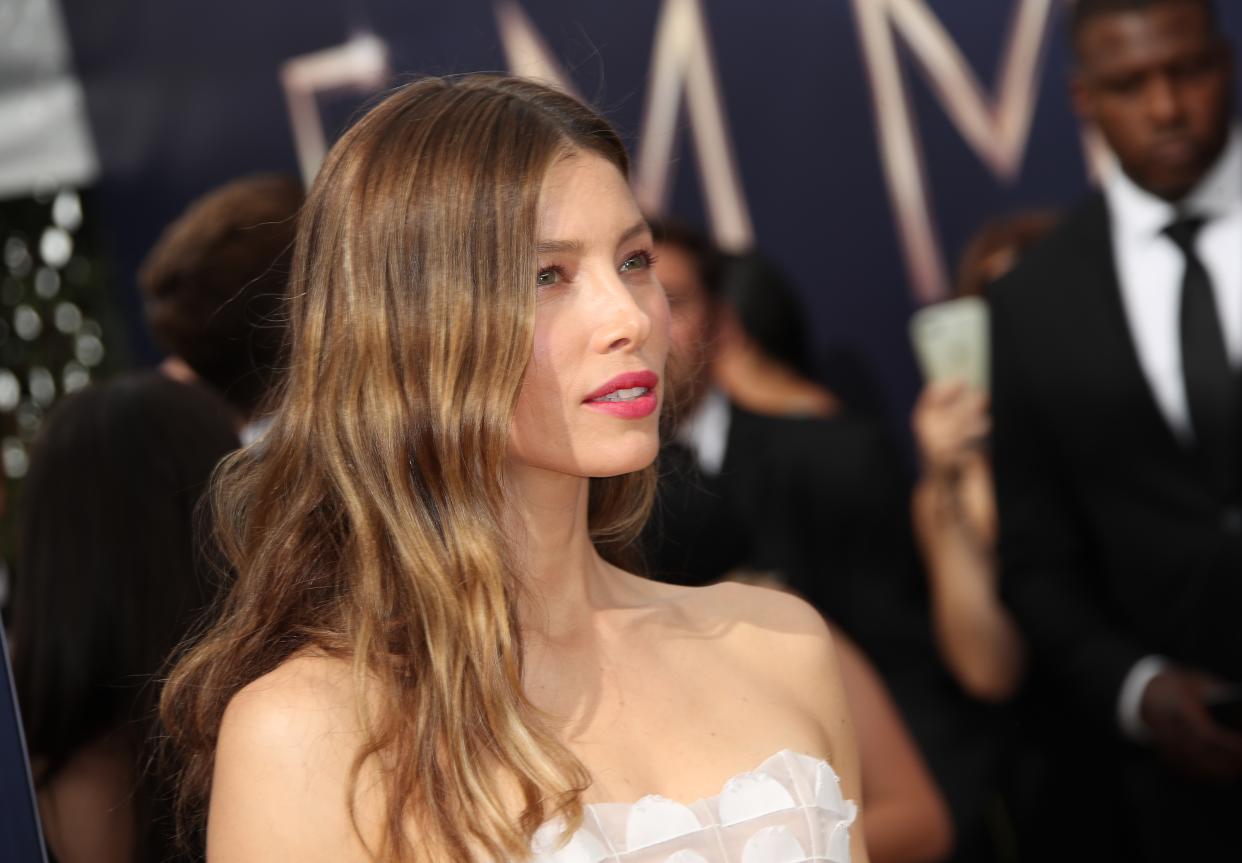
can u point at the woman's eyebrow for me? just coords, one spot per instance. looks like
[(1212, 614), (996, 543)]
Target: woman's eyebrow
[(632, 231), (552, 247), (549, 247)]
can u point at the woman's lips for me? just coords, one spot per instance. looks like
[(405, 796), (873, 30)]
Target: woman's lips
[(631, 395)]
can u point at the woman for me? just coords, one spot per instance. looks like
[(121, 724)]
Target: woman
[(763, 360), (112, 574), (954, 514), (954, 505), (433, 650)]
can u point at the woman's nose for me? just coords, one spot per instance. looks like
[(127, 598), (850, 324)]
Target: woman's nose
[(624, 324)]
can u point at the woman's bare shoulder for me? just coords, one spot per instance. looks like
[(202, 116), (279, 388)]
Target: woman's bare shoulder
[(302, 692), (284, 756), (778, 636), (304, 706), (758, 613)]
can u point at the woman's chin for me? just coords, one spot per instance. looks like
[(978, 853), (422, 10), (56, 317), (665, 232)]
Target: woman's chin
[(623, 460), (596, 457)]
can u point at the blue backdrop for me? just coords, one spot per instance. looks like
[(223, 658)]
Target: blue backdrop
[(184, 96)]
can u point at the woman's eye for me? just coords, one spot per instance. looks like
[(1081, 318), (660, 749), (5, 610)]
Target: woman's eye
[(637, 261), (548, 276)]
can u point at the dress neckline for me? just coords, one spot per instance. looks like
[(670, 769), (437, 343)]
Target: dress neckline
[(788, 809), (761, 767)]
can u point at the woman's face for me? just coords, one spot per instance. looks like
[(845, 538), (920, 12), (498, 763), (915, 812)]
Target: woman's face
[(590, 400)]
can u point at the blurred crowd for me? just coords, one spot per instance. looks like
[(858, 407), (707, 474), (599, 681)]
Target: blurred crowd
[(1036, 619)]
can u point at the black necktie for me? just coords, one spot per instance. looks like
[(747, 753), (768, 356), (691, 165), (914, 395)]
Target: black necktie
[(1211, 388)]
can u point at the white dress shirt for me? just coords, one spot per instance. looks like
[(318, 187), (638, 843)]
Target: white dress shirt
[(706, 432), (1150, 268)]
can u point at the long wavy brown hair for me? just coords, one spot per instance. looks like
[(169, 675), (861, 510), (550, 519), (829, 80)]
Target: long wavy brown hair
[(368, 522)]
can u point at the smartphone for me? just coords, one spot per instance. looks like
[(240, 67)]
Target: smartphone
[(951, 341), (1226, 707)]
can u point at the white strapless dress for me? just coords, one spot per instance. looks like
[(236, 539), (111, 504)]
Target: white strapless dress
[(787, 810)]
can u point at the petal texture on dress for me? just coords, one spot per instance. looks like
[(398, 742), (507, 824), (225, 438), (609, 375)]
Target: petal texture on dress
[(687, 857), (656, 819), (790, 809), (582, 847), (828, 791), (838, 850), (774, 845), (753, 795)]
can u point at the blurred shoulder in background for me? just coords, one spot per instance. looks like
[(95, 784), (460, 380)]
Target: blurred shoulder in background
[(954, 505)]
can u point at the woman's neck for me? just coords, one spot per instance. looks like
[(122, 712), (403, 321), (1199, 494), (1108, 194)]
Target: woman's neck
[(566, 579)]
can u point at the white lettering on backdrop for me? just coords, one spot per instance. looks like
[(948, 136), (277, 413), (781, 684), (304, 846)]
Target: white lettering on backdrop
[(997, 128)]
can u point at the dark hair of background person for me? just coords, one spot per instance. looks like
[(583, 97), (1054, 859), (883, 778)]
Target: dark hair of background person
[(213, 285), (997, 246), (841, 368), (1085, 10), (769, 309), (672, 231), (112, 572)]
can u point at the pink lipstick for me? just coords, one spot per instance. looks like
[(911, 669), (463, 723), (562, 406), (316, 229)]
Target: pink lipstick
[(630, 396)]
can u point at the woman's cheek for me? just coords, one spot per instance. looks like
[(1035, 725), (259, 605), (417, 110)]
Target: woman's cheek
[(661, 324), (551, 366)]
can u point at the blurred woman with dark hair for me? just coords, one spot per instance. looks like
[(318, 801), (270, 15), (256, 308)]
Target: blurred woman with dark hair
[(111, 576), (763, 358), (954, 504)]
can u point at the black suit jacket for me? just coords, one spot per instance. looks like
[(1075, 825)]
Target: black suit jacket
[(1116, 543)]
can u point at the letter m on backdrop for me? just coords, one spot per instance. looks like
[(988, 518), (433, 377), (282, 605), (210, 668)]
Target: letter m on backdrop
[(996, 126), (683, 69)]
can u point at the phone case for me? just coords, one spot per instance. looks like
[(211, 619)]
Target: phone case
[(951, 341)]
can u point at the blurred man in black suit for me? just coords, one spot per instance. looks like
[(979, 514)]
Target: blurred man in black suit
[(1117, 347)]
